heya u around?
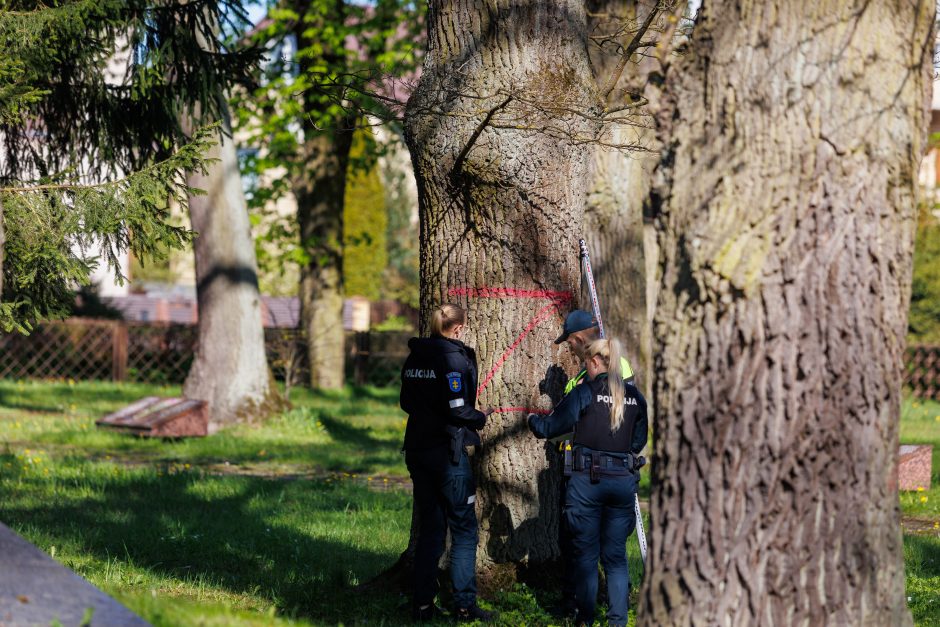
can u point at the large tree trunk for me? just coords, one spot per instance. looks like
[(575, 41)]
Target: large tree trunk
[(620, 184), (785, 221), (501, 195), (231, 369)]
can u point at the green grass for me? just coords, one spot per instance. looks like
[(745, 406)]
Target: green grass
[(273, 523), (213, 531), (920, 424)]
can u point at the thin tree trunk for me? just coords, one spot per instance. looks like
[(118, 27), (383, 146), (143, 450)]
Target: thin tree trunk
[(501, 202), (3, 243), (231, 369), (320, 193), (620, 184), (320, 187), (785, 219)]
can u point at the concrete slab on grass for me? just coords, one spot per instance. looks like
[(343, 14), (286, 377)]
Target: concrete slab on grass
[(37, 590)]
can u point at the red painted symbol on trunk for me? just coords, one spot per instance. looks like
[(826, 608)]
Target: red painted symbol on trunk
[(557, 298)]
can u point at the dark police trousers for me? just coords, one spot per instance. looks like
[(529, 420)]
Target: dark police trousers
[(600, 517), (444, 495)]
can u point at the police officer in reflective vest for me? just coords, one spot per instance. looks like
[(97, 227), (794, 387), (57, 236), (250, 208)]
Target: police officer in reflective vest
[(438, 392), (580, 329), (610, 424)]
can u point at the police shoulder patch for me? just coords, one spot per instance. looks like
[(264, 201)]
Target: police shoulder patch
[(455, 381)]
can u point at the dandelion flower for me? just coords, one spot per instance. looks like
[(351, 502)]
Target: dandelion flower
[(923, 499)]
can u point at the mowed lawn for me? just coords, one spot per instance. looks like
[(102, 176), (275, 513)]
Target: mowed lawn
[(276, 523)]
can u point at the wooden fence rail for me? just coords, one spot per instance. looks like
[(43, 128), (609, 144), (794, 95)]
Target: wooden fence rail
[(83, 349)]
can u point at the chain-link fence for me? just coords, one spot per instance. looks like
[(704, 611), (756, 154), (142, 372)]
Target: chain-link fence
[(922, 371), (82, 349)]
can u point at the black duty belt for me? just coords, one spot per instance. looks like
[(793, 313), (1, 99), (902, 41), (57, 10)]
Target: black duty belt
[(599, 464)]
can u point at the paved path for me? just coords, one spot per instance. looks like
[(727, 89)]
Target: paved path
[(37, 590)]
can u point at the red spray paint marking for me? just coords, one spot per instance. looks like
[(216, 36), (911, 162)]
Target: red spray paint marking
[(558, 299), (544, 313)]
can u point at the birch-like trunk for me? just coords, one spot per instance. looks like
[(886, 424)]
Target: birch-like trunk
[(231, 369), (501, 194), (785, 220)]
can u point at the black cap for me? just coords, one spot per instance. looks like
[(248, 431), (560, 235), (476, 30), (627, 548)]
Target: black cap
[(577, 320)]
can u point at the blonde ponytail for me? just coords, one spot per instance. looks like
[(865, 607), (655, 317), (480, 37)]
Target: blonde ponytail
[(610, 352), (445, 317)]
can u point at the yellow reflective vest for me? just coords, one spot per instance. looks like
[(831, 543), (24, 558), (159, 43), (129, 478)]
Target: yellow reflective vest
[(624, 366)]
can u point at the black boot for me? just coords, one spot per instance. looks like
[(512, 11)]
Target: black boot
[(474, 612), (426, 613)]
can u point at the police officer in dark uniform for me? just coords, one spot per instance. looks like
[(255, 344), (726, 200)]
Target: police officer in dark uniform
[(610, 425), (579, 330), (438, 392)]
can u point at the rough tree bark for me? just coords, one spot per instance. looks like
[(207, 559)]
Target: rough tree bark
[(785, 219), (231, 369), (501, 197), (620, 184)]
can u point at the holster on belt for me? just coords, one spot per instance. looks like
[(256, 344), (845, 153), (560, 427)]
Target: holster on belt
[(456, 442), (460, 437), (595, 468)]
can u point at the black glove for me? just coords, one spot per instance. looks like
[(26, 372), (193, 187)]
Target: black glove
[(529, 420)]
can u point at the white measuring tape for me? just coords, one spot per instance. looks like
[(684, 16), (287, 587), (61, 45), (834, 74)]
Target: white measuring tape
[(640, 533)]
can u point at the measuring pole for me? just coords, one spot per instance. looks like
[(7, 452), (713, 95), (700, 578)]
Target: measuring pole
[(640, 534)]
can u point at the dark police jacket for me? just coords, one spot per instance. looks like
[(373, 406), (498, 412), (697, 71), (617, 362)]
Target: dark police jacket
[(439, 388), (586, 409)]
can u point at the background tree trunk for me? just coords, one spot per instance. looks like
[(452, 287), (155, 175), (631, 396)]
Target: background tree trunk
[(320, 189), (3, 243), (620, 184), (786, 216), (320, 192), (231, 369), (501, 196)]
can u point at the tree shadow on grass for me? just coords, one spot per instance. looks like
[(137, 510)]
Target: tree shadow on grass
[(240, 534), (387, 395), (924, 551), (346, 434), (52, 397)]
